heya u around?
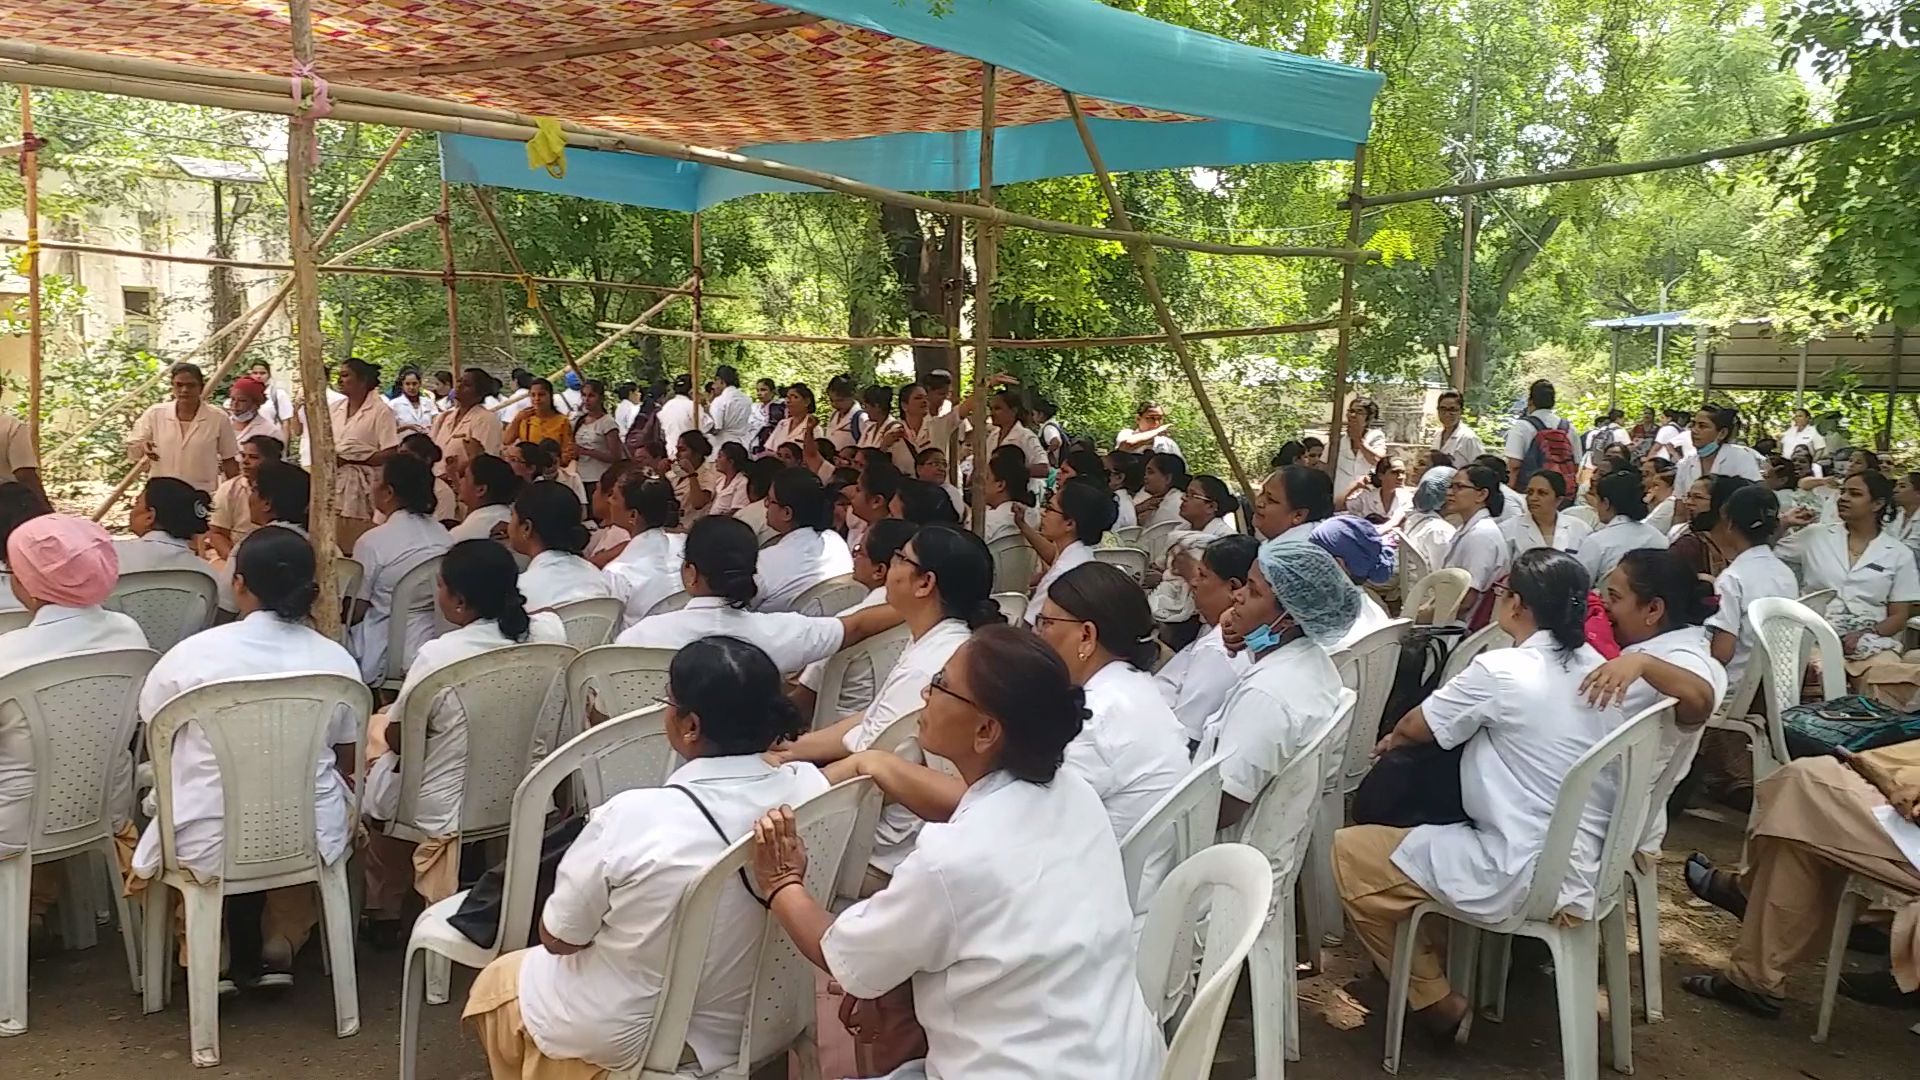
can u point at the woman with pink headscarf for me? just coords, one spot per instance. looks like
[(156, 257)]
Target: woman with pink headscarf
[(62, 568)]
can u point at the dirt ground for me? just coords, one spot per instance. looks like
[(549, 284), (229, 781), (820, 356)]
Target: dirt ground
[(85, 1023)]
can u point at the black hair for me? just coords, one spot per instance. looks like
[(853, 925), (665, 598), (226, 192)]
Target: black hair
[(1724, 418), (522, 378), (1014, 401), (725, 553), (1663, 468), (274, 449), (760, 474), (1623, 490), (1044, 406), (1489, 481), (1116, 606), (1312, 442), (483, 381), (286, 489), (1873, 459), (184, 368), (277, 566), (1719, 490), (1231, 557), (652, 498), (700, 446), (866, 457), (1217, 491), (1020, 681), (1372, 407), (1880, 490), (597, 387), (1540, 394), (1454, 394), (843, 384), (496, 478), (1089, 506), (1553, 586), (1173, 467), (905, 394), (824, 447), (444, 376), (1554, 480), (925, 503), (179, 508), (483, 574), (962, 572), (734, 688), (1308, 489), (1659, 573), (884, 538), (735, 454), (622, 390), (1143, 407), (926, 454), (877, 397), (535, 457), (366, 372), (552, 511), (1492, 461), (1753, 512), (1083, 462), (802, 493), (728, 374), (938, 377), (411, 481), (882, 480), (1011, 470), (1288, 453), (1132, 469), (806, 394), (422, 446), (19, 504)]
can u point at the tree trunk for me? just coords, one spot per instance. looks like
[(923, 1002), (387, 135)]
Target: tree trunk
[(919, 251), (1483, 336)]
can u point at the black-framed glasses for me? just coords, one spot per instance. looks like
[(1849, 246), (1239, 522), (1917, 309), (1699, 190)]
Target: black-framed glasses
[(902, 556), (939, 682), (1058, 619)]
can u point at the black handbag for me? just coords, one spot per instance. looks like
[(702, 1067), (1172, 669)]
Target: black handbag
[(1410, 786), (478, 918)]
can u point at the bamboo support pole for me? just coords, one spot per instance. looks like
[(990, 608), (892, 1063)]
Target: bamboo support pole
[(986, 251), (1163, 311), (575, 52), (485, 204), (697, 342), (30, 177), (119, 489), (999, 342), (1343, 345), (75, 69), (445, 220), (606, 343), (257, 317), (317, 420)]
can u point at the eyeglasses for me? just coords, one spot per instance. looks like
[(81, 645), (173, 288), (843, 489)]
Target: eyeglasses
[(1058, 618), (902, 556), (939, 682)]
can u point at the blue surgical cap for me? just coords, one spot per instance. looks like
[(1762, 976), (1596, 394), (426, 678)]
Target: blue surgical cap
[(1311, 588), (1431, 494), (1356, 543)]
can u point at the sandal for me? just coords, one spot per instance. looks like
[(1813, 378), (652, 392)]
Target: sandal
[(1716, 887), (1722, 989)]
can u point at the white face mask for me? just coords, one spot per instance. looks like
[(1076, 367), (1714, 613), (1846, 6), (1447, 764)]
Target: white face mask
[(246, 417)]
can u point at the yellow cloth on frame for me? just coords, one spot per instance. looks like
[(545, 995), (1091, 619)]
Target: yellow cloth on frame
[(548, 147)]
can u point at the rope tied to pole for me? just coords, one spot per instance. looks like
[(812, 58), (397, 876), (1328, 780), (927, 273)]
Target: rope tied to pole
[(533, 290), (319, 108)]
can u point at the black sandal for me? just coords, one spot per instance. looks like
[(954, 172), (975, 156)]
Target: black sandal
[(1716, 887), (1722, 989)]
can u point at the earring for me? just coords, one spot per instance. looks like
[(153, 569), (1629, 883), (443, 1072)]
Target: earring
[(1085, 653)]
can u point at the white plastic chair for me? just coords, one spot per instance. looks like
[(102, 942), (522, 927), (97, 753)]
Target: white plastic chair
[(1236, 885), (1014, 564), (1127, 534), (348, 574), (1409, 567), (590, 622), (1817, 601), (413, 593), (830, 597), (1490, 636), (1367, 667), (266, 733), (1781, 647), (1279, 825), (1176, 829), (782, 1010), (853, 871), (1646, 882), (169, 605), (617, 679), (434, 945), (80, 715), (673, 602), (1013, 606), (1132, 560), (1446, 589), (1154, 538), (878, 654), (1626, 758), (14, 620), (1859, 891)]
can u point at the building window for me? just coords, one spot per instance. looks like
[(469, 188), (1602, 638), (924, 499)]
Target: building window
[(137, 305)]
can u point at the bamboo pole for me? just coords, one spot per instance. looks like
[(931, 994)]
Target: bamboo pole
[(1467, 234), (953, 296), (576, 52), (485, 204), (79, 70), (119, 489), (268, 306), (445, 220), (998, 343), (986, 251), (607, 343), (317, 420), (697, 342), (1343, 345), (1150, 282), (30, 176)]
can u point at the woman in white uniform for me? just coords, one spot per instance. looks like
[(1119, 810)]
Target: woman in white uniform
[(1356, 546), (1077, 515), (800, 423), (1032, 974), (1748, 521), (1543, 524), (1714, 454), (596, 436), (1206, 505), (872, 559), (1424, 527), (718, 575), (1618, 501), (584, 999), (477, 595), (1124, 474), (647, 570), (1382, 497), (1872, 573), (1199, 677), (1009, 500), (413, 411), (1009, 412), (730, 479), (1476, 497), (488, 486), (388, 551), (275, 587), (1524, 722), (1164, 483), (547, 529), (167, 519), (808, 551)]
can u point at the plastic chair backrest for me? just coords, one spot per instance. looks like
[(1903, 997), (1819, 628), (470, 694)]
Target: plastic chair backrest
[(880, 652), (1190, 813), (903, 730), (14, 620), (266, 731), (1127, 534), (830, 597), (1780, 629), (1130, 559), (512, 699), (783, 1004), (1013, 606), (669, 603), (413, 593), (629, 751), (169, 605), (347, 576), (620, 678), (1281, 817), (1490, 636), (1445, 588), (590, 622), (1411, 566), (1153, 540), (1237, 885), (1367, 667), (1014, 563), (81, 713), (1625, 758), (1817, 601)]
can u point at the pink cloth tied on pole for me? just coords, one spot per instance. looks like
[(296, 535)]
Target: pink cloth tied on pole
[(64, 560), (321, 108)]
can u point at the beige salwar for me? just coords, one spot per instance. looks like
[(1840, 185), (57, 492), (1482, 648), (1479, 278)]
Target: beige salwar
[(493, 1007), (1378, 897)]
